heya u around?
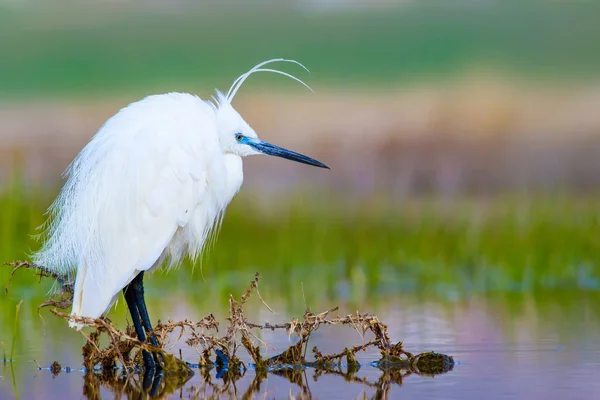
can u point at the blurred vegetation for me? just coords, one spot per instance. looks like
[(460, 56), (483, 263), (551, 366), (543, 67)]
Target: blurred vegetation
[(448, 248), (89, 49)]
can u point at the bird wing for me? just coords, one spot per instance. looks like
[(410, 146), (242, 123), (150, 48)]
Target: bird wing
[(143, 185)]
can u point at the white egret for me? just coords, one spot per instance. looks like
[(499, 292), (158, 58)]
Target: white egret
[(147, 190)]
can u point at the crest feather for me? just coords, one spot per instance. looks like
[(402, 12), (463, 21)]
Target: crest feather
[(257, 68)]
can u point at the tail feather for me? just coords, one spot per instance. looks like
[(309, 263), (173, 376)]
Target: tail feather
[(92, 297)]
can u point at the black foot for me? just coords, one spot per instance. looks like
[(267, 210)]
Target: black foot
[(149, 361)]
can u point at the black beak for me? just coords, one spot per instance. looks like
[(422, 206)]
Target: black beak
[(272, 150)]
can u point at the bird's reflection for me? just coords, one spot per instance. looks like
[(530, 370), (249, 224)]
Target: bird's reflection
[(133, 386)]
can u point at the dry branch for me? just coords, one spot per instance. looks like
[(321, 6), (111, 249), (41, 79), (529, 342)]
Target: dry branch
[(124, 349)]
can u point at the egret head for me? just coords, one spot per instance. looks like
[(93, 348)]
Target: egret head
[(238, 137)]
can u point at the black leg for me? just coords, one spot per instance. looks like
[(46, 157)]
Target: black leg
[(138, 283), (141, 305), (130, 297)]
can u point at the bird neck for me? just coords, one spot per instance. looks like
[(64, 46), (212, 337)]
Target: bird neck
[(234, 175)]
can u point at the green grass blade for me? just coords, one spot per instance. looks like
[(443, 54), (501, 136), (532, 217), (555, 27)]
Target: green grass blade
[(15, 329)]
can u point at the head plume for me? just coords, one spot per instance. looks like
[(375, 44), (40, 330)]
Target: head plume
[(258, 68)]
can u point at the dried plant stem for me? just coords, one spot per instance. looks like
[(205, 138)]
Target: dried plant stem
[(124, 348)]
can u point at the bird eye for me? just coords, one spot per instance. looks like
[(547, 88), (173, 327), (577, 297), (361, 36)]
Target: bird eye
[(239, 137)]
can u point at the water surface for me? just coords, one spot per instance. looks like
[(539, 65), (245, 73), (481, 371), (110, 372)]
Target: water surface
[(518, 346)]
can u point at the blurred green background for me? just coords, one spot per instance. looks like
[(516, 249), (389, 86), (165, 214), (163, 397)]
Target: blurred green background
[(91, 48), (463, 139)]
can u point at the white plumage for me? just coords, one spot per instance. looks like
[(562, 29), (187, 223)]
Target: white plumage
[(147, 190)]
